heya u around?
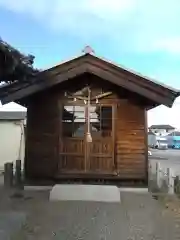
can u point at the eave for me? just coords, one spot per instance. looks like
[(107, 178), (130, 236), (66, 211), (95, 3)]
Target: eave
[(155, 92)]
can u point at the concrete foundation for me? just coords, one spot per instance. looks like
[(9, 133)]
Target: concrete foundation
[(75, 192)]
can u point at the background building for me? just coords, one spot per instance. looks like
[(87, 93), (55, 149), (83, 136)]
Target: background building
[(12, 137), (162, 129)]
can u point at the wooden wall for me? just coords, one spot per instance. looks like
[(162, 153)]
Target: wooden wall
[(42, 136), (43, 127), (131, 147)]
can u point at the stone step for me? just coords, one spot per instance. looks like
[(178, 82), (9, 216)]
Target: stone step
[(78, 192)]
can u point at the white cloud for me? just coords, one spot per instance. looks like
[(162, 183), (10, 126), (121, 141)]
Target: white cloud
[(134, 25), (142, 25), (100, 8), (165, 115), (172, 45), (112, 10)]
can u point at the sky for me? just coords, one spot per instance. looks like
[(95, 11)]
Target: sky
[(143, 35)]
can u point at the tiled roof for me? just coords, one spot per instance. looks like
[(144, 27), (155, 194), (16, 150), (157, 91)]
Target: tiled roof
[(161, 126), (6, 115)]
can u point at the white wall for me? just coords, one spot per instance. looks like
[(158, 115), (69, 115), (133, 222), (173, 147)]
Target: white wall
[(11, 145)]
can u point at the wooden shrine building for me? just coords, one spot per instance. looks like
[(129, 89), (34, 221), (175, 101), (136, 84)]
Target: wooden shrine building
[(87, 119)]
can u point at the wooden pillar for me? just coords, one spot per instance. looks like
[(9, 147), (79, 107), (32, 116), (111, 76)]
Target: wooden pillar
[(86, 162), (146, 144)]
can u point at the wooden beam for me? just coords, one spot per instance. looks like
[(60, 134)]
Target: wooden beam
[(146, 144), (93, 98), (47, 83), (125, 83), (138, 79)]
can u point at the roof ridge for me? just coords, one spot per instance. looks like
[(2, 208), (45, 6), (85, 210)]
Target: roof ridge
[(123, 67)]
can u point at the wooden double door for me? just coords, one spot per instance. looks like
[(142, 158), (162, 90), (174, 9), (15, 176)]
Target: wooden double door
[(77, 155)]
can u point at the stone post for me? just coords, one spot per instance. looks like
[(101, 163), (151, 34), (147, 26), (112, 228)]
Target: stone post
[(8, 175), (158, 175), (170, 181), (18, 175)]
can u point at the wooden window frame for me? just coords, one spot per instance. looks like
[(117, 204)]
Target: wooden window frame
[(65, 103)]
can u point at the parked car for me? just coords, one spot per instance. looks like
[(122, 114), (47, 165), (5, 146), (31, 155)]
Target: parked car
[(162, 143), (176, 144)]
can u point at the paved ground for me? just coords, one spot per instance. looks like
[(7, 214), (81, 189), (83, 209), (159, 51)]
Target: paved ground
[(167, 158), (173, 154), (138, 216)]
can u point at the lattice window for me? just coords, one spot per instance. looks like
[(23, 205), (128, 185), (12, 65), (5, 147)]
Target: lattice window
[(74, 122)]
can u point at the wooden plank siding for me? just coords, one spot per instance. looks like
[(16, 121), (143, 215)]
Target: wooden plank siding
[(42, 155), (42, 136), (130, 140)]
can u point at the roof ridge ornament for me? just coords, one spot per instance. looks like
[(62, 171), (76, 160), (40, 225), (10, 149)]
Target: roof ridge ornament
[(88, 50)]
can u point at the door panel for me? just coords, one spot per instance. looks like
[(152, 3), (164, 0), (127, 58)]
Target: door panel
[(72, 145), (101, 149), (101, 155), (72, 155), (76, 154)]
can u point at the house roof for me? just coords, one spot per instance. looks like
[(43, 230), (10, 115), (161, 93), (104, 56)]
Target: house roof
[(157, 93), (162, 126), (6, 115)]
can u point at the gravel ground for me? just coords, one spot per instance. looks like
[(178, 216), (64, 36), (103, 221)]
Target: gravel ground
[(138, 216)]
